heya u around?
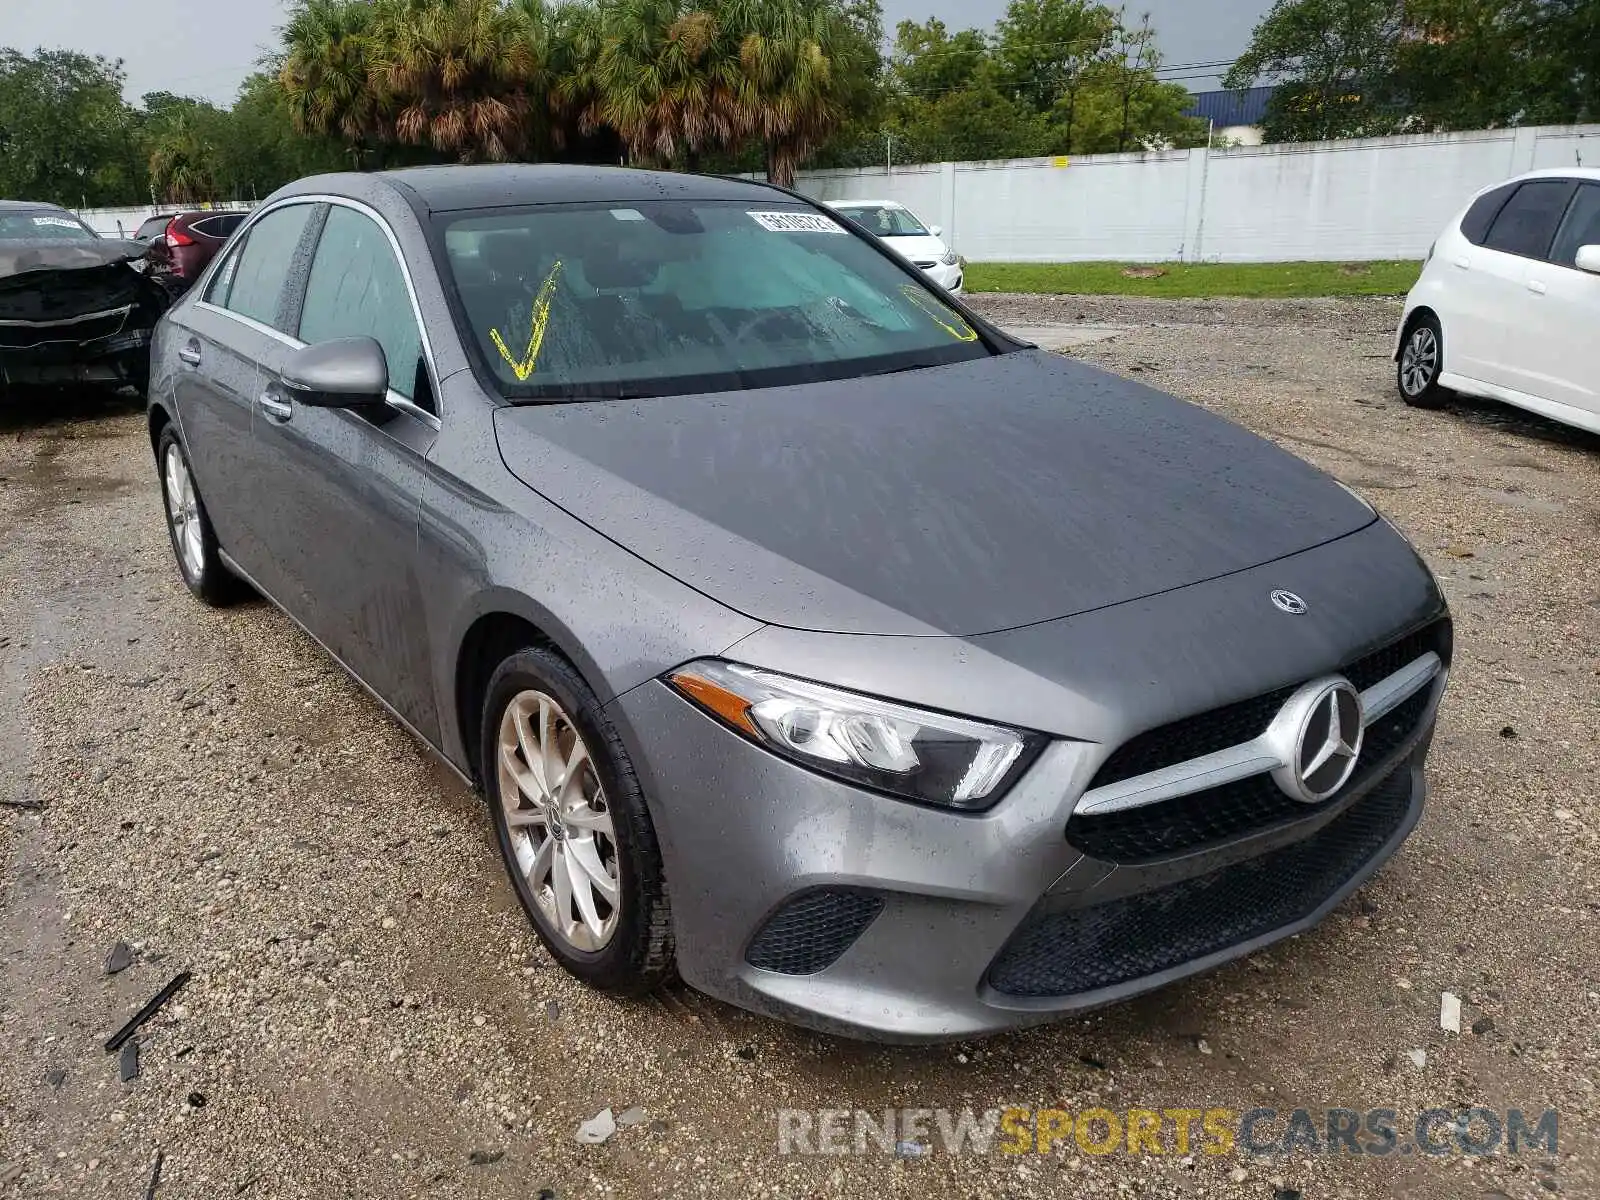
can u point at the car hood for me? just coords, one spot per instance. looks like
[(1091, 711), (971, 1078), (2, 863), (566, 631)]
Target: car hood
[(955, 500), (19, 258), (918, 249)]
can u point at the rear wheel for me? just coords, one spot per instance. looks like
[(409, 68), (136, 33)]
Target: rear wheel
[(1421, 363), (573, 829)]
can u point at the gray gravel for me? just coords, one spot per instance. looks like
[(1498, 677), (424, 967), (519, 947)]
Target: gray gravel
[(369, 1015)]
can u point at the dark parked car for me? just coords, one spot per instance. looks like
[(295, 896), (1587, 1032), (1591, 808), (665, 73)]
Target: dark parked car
[(805, 633), (74, 307), (188, 243), (152, 228)]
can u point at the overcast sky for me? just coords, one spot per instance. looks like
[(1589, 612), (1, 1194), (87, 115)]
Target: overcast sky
[(205, 47)]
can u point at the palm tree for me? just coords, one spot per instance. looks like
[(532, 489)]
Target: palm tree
[(325, 72), (457, 75), (666, 78), (182, 162), (797, 58)]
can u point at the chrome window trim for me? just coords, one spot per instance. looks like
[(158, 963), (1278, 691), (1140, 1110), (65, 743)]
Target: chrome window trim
[(393, 399), (1255, 757)]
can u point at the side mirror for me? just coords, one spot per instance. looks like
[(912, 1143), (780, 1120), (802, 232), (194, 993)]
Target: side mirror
[(346, 373), (1588, 259), (936, 230)]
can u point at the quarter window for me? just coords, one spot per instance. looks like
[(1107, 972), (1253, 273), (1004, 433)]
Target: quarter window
[(251, 281), (1581, 228), (1475, 225), (357, 289), (1527, 224)]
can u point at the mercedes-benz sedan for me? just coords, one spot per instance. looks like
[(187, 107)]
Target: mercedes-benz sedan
[(808, 636)]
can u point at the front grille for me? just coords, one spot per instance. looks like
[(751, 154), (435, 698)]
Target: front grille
[(1246, 806), (22, 337), (1073, 951), (1208, 732), (810, 932)]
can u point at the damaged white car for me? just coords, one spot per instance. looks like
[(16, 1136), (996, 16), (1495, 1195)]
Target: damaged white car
[(75, 308)]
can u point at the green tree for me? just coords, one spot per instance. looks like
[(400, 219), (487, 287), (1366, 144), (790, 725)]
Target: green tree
[(1046, 48), (66, 135), (928, 61), (326, 72), (1334, 63)]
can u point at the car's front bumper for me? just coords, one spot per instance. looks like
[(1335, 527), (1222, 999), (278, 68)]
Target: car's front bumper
[(951, 279), (965, 917)]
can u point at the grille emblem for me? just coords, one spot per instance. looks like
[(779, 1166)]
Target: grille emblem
[(1318, 735), (1289, 603)]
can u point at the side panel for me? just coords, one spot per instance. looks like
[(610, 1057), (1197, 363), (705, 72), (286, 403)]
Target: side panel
[(488, 544)]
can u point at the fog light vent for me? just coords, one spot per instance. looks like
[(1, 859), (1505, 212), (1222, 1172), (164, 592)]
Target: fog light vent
[(811, 931)]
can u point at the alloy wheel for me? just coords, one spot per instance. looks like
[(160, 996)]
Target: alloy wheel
[(183, 513), (1419, 363), (558, 821)]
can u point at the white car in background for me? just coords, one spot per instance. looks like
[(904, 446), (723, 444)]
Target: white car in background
[(1508, 306), (909, 237)]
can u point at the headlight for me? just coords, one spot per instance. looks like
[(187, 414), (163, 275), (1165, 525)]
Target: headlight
[(922, 756), (951, 258)]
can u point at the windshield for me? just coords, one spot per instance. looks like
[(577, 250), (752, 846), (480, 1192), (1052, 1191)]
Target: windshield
[(885, 222), (43, 227), (673, 296)]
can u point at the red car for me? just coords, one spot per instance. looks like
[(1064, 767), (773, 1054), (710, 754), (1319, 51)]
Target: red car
[(188, 244)]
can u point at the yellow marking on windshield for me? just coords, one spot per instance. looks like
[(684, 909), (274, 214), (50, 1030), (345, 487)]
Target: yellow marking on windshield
[(942, 316), (524, 367)]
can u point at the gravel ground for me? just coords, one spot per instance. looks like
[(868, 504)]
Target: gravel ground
[(368, 1014)]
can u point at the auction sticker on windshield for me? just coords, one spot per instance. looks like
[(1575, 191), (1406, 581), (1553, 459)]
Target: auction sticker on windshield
[(795, 222), (61, 221)]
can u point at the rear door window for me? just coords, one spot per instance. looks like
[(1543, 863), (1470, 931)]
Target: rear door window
[(251, 281), (1527, 224), (357, 289), (1475, 225), (1581, 227)]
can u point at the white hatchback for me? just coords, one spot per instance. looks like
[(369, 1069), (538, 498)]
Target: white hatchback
[(1508, 306), (905, 233)]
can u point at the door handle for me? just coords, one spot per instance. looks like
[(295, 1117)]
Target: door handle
[(1536, 287), (190, 354), (275, 406)]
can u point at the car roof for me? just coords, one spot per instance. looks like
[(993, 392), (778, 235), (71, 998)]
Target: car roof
[(23, 206), (446, 189), (1592, 173), (866, 204)]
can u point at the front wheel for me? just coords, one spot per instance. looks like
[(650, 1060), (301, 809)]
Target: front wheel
[(194, 542), (572, 826), (1421, 364)]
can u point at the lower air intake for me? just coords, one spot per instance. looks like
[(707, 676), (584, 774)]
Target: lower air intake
[(810, 932)]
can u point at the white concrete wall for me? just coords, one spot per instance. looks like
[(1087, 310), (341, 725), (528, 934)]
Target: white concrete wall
[(1332, 201)]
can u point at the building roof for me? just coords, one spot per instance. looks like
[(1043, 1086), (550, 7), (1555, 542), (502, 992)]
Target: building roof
[(1228, 109)]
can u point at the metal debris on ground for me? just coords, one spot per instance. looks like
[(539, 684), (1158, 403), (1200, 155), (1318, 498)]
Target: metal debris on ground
[(155, 1176), (120, 958), (1419, 1058), (598, 1128), (24, 803), (128, 1065), (631, 1116), (114, 1042)]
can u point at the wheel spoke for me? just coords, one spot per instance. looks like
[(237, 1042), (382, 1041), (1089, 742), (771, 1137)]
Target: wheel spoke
[(561, 884), (570, 774), (527, 785), (583, 893), (582, 854), (590, 820), (549, 751), (528, 743), (539, 869)]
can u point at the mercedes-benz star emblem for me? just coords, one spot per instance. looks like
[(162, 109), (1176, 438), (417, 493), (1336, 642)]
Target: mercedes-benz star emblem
[(1289, 603), (1318, 735)]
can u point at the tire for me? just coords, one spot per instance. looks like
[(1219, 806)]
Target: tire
[(1421, 362), (194, 546), (623, 946)]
